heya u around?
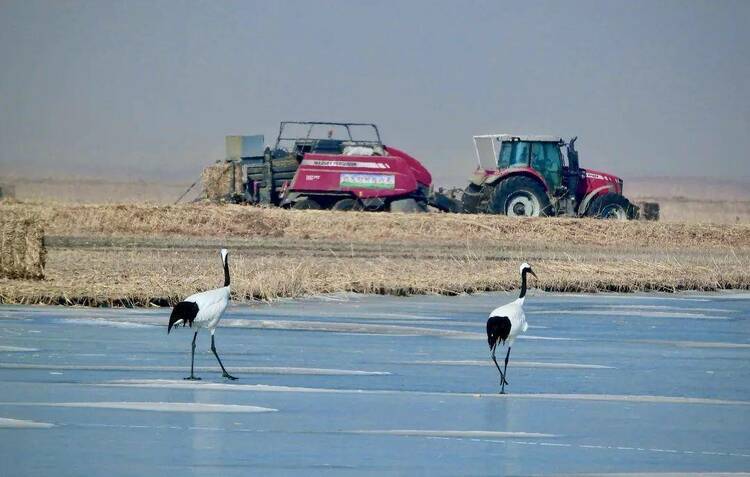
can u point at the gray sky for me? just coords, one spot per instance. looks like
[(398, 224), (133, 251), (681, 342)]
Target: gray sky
[(134, 89)]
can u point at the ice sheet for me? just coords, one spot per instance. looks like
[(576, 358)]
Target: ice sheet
[(632, 384)]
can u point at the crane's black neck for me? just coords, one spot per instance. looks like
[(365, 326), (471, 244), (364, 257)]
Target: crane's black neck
[(226, 271), (523, 282)]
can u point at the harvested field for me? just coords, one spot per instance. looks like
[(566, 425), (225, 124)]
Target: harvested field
[(223, 221), (135, 255)]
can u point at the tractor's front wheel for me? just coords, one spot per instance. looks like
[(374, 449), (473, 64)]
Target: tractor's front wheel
[(520, 196), (611, 206)]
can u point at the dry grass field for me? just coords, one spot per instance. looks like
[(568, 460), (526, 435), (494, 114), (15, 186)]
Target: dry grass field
[(693, 200), (141, 255)]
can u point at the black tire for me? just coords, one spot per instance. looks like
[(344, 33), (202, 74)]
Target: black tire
[(520, 196), (347, 204), (611, 206), (306, 204)]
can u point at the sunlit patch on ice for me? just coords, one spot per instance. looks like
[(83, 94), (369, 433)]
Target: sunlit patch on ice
[(7, 423), (517, 364), (153, 406), (342, 327), (175, 384), (182, 384), (664, 308), (16, 349), (693, 344), (451, 433), (630, 312), (623, 398), (625, 297), (239, 369), (112, 323)]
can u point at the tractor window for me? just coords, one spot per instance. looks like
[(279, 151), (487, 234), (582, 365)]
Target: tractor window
[(546, 159), (513, 154)]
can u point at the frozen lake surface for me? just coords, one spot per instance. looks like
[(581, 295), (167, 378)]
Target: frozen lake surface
[(350, 384)]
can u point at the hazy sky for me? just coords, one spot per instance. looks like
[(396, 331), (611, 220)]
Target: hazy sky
[(141, 89)]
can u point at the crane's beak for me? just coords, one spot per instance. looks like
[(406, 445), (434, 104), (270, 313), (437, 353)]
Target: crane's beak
[(173, 321), (532, 272)]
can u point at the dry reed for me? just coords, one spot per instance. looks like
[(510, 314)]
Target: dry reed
[(161, 276)]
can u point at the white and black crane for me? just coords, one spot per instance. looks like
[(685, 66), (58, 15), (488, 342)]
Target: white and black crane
[(506, 323), (204, 309)]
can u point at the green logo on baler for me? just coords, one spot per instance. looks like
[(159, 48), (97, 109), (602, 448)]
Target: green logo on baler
[(367, 181)]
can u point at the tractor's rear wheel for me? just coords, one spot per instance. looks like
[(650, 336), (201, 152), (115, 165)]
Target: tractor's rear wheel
[(520, 196), (347, 204), (306, 204), (611, 206)]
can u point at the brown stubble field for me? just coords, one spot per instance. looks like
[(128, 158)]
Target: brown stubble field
[(141, 255)]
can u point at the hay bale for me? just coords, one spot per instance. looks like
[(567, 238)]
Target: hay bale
[(222, 180), (22, 250), (218, 181)]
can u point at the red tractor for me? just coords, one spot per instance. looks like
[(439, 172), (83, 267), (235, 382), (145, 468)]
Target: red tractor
[(340, 166), (530, 176)]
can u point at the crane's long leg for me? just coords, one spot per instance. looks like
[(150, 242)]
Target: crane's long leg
[(502, 390), (192, 360), (502, 375), (224, 371)]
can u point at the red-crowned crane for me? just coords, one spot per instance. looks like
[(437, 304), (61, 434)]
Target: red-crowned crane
[(204, 309), (506, 323)]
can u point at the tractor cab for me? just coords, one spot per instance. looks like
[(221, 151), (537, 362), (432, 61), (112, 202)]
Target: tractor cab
[(540, 155)]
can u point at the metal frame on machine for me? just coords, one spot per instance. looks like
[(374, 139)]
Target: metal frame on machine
[(312, 124)]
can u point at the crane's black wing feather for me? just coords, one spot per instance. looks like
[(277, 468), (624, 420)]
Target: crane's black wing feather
[(498, 328), (185, 311)]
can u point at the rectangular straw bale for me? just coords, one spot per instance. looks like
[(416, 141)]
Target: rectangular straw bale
[(218, 181), (22, 250)]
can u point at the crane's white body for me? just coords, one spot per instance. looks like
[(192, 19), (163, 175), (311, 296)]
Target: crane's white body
[(514, 312), (211, 305)]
